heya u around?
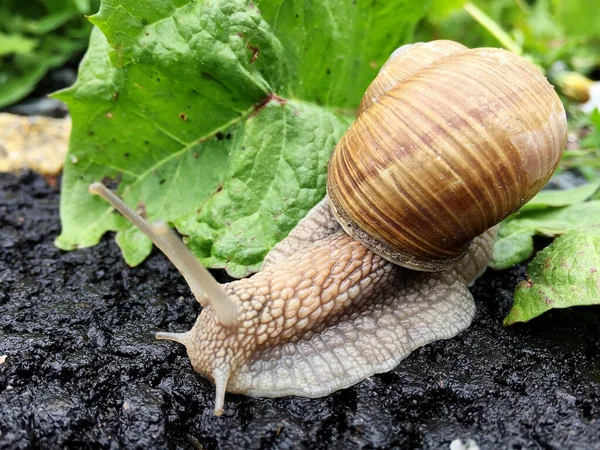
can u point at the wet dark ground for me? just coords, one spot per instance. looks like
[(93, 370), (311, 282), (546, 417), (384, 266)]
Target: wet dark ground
[(83, 369)]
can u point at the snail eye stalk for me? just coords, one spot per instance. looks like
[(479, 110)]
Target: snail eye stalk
[(204, 287)]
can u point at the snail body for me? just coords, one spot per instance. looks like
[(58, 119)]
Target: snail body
[(450, 141), (329, 314)]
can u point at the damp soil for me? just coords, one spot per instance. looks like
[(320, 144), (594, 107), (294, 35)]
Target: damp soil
[(83, 369)]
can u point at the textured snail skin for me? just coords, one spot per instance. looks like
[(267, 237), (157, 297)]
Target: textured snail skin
[(462, 141), (326, 313)]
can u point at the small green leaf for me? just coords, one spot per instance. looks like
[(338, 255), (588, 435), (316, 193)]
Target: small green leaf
[(511, 249), (20, 79), (51, 22), (135, 246), (565, 274), (563, 197), (514, 242), (555, 221), (83, 6), (595, 118)]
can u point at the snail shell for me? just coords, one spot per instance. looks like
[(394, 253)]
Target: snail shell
[(449, 141)]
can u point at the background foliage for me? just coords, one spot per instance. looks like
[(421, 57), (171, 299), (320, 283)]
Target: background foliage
[(36, 36), (220, 116)]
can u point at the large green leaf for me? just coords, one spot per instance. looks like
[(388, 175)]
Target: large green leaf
[(334, 48), (218, 116)]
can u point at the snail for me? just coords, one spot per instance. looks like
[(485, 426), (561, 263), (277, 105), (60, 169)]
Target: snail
[(447, 143)]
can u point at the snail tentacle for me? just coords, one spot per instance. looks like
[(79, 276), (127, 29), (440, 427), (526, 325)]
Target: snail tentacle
[(220, 377), (204, 287), (181, 338), (201, 282)]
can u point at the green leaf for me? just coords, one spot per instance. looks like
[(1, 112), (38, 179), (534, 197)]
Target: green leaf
[(512, 248), (83, 6), (334, 49), (555, 221), (515, 244), (218, 116), (19, 79), (593, 139), (442, 9), (51, 22), (562, 197), (579, 18), (15, 43), (565, 274), (276, 173), (36, 36), (595, 118), (135, 246)]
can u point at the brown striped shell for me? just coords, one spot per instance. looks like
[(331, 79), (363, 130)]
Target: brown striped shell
[(448, 142)]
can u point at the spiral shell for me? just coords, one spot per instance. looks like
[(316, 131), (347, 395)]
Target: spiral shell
[(448, 142)]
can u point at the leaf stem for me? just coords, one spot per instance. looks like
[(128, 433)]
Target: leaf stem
[(492, 26)]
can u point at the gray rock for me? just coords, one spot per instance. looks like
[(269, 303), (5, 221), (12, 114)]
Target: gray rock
[(41, 106)]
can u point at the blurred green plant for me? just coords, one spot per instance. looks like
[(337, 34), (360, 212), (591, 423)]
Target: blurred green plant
[(36, 36), (546, 31), (585, 130)]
